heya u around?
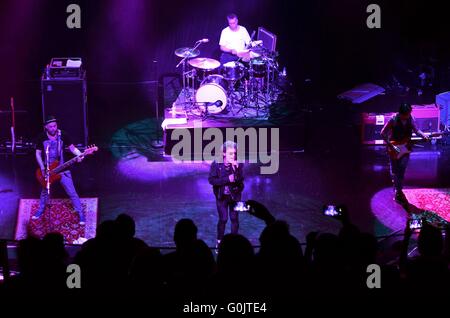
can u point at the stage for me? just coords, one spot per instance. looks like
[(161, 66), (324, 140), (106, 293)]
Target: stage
[(130, 176)]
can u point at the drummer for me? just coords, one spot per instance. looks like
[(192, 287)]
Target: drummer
[(234, 40)]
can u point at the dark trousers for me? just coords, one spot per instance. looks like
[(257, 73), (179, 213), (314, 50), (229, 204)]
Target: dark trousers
[(398, 169), (225, 206)]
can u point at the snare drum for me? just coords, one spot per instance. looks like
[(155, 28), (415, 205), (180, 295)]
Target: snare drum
[(259, 67), (233, 71), (203, 74), (212, 89)]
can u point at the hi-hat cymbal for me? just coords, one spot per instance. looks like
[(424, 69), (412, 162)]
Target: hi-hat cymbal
[(187, 52), (204, 63)]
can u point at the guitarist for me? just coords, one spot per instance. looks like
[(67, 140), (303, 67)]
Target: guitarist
[(398, 130), (227, 179), (54, 141)]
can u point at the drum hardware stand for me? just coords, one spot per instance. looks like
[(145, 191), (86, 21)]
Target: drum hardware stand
[(183, 62), (232, 96), (190, 84), (256, 88), (270, 76), (244, 101)]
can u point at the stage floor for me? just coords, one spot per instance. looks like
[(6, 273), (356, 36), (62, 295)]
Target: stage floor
[(321, 161), (157, 193)]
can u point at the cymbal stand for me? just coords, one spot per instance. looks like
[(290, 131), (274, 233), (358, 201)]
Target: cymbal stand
[(190, 83), (256, 88), (232, 95), (186, 90), (270, 80)]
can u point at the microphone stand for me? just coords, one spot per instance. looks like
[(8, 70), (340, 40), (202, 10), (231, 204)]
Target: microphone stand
[(47, 171), (158, 143), (13, 124), (47, 179)]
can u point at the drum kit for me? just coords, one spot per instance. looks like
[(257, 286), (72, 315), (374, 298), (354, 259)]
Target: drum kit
[(210, 88)]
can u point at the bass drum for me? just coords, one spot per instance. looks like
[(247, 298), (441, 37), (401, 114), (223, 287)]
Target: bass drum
[(213, 89)]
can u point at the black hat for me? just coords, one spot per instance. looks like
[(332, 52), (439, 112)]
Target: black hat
[(50, 119)]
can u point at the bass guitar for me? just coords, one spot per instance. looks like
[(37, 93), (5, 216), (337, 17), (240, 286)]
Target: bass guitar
[(55, 169)]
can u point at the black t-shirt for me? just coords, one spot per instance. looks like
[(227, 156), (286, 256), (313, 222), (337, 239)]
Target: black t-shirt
[(402, 131)]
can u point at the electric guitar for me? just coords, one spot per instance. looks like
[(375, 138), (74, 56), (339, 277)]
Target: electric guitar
[(398, 149), (55, 169)]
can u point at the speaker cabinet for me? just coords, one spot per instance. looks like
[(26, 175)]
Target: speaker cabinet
[(67, 100), (372, 123)]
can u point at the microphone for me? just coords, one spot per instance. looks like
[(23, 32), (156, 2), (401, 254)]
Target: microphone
[(203, 41), (216, 103), (59, 132)]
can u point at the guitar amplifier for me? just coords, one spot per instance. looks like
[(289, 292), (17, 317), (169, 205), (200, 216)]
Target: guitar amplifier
[(372, 123), (427, 117), (65, 67)]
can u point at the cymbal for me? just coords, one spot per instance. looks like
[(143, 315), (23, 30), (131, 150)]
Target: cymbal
[(248, 55), (204, 63), (187, 52)]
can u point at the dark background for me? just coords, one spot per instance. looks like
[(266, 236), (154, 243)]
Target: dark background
[(126, 45)]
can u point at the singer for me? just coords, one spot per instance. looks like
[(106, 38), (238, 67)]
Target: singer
[(227, 179), (50, 148), (233, 39)]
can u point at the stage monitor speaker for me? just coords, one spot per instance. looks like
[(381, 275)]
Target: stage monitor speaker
[(66, 99), (361, 93), (372, 123)]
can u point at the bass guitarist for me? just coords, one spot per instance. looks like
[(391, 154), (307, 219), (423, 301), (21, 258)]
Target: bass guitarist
[(50, 148), (397, 133)]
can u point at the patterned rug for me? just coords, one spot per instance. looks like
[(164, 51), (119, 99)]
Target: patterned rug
[(58, 217), (432, 204)]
